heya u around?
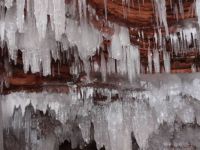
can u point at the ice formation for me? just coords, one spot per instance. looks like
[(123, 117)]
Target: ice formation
[(165, 99), (40, 29), (160, 8), (166, 58), (156, 61)]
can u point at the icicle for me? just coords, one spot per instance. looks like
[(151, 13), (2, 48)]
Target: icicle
[(40, 12), (103, 67), (119, 138), (106, 9), (166, 58), (149, 61), (160, 7), (198, 10), (20, 14), (116, 47), (124, 36), (111, 66), (59, 18), (2, 30), (133, 62), (193, 68), (82, 8), (176, 12), (181, 9), (11, 29), (8, 3), (156, 61)]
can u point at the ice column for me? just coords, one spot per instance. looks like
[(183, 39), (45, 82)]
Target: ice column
[(20, 14), (160, 7), (198, 10), (156, 61), (59, 18), (149, 61), (8, 3), (167, 65), (40, 11)]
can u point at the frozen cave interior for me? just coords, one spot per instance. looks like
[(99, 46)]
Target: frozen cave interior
[(99, 74)]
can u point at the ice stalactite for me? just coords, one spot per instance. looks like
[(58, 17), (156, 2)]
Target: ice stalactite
[(116, 46), (111, 66), (133, 63), (106, 9), (103, 67), (8, 3), (101, 125), (150, 61), (40, 12), (181, 8), (193, 68), (161, 14), (20, 4), (58, 18), (156, 61), (163, 100), (166, 58), (127, 55), (38, 38), (10, 30)]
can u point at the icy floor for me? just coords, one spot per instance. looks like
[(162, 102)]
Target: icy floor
[(162, 112)]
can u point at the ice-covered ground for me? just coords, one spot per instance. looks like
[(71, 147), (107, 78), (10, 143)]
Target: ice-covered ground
[(154, 111)]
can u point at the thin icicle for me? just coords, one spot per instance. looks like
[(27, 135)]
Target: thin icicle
[(156, 61), (160, 7), (198, 10), (103, 67), (106, 9), (167, 65), (149, 61)]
